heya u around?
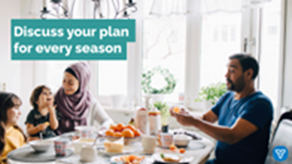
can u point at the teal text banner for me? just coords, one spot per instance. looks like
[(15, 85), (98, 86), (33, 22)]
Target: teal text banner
[(86, 39)]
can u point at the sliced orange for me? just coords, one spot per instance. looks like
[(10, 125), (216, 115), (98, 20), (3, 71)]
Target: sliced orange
[(172, 147), (182, 151), (132, 158)]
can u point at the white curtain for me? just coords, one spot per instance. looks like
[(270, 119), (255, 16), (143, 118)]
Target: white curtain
[(173, 7), (211, 6)]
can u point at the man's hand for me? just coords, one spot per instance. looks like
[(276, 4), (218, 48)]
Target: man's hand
[(184, 118), (180, 110)]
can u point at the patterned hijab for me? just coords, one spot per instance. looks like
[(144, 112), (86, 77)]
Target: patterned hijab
[(73, 109)]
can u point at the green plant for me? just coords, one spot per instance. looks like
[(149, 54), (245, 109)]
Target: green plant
[(163, 108), (212, 92), (168, 77)]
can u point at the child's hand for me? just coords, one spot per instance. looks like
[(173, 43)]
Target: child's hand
[(50, 101), (50, 105), (32, 138), (42, 127), (52, 108)]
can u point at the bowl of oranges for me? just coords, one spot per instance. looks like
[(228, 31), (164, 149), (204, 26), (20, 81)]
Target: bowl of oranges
[(129, 132)]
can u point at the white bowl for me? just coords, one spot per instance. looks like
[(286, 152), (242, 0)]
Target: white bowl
[(181, 140), (41, 145)]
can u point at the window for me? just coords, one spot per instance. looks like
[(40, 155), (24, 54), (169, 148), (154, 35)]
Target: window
[(164, 45), (221, 35), (50, 73), (162, 41), (112, 77), (270, 50)]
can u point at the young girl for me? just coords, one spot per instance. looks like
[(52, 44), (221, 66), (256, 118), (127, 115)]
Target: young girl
[(11, 136), (42, 119)]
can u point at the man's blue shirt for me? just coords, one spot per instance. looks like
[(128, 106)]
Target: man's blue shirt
[(258, 110)]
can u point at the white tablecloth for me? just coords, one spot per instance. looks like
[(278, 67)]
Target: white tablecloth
[(200, 155)]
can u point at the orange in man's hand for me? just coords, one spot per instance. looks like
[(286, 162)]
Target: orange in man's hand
[(176, 109)]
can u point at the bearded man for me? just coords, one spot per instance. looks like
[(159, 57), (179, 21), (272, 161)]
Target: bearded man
[(244, 116)]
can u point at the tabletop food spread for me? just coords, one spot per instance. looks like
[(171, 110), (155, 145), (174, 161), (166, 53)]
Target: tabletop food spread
[(119, 144)]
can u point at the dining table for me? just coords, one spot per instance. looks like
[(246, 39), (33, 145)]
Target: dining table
[(198, 151)]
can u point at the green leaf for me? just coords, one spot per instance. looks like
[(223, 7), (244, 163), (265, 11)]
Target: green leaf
[(212, 92), (162, 155), (168, 77)]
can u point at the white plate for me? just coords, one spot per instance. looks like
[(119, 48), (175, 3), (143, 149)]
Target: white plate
[(126, 150), (184, 159), (113, 159)]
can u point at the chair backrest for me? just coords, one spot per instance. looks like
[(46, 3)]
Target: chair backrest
[(282, 137), (286, 115)]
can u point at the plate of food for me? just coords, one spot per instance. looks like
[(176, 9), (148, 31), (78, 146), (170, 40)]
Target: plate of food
[(172, 158), (125, 150), (127, 159), (116, 148), (116, 132)]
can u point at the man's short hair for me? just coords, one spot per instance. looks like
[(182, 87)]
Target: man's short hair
[(247, 61)]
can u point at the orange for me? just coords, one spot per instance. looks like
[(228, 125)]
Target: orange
[(131, 127), (120, 127), (117, 134), (182, 151), (137, 133), (176, 109), (132, 158), (172, 147), (110, 132), (127, 133), (113, 127), (125, 158)]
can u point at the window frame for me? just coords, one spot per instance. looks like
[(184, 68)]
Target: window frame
[(250, 30)]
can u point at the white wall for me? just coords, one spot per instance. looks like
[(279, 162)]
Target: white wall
[(287, 90), (17, 76), (9, 70)]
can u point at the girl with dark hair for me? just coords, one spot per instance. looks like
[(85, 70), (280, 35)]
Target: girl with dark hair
[(75, 103), (11, 136), (42, 118)]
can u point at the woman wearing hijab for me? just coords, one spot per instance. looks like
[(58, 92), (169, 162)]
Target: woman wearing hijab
[(75, 104)]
